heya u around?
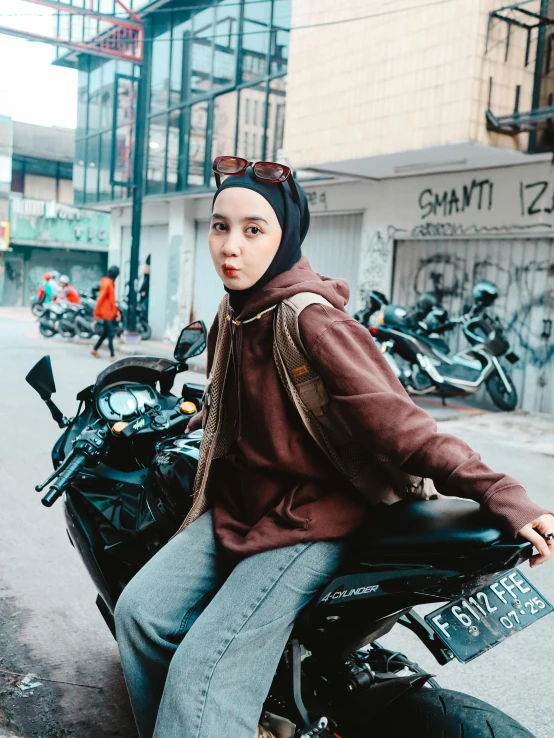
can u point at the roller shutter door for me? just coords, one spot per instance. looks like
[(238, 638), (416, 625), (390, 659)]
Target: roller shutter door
[(523, 270), (332, 246)]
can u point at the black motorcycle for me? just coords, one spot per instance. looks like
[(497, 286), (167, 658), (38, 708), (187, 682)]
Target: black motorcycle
[(125, 471), (143, 326), (422, 361), (59, 318), (37, 304), (373, 302)]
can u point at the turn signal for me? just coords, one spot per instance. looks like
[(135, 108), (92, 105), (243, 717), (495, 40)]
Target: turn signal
[(187, 408), (119, 427), (381, 319)]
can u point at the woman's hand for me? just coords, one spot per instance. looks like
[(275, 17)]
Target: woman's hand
[(535, 532)]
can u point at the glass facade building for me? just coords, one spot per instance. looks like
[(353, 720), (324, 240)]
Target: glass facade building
[(217, 86)]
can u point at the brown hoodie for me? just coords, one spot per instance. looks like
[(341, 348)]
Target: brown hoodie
[(276, 487)]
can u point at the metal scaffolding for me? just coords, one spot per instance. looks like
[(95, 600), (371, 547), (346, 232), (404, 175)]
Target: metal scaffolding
[(84, 30)]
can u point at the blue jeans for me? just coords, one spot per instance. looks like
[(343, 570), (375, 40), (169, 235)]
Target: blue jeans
[(199, 653)]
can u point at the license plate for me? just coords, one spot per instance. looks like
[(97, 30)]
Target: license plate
[(473, 624)]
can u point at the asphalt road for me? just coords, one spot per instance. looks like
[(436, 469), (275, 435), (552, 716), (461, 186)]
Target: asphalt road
[(49, 624)]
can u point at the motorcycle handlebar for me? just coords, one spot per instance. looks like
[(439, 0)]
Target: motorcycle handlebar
[(58, 488)]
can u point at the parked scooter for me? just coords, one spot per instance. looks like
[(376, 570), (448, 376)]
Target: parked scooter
[(125, 472), (58, 318), (87, 326), (37, 303), (143, 327), (423, 364), (374, 301)]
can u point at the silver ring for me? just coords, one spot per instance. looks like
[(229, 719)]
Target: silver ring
[(549, 537)]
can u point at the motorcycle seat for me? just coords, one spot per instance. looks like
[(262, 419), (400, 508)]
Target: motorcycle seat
[(438, 343), (429, 525)]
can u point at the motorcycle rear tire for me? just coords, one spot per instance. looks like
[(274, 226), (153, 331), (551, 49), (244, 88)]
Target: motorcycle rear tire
[(442, 713), (145, 331), (496, 389), (47, 330)]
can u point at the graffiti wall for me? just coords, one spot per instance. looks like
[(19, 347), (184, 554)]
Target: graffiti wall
[(523, 270), (449, 231), (446, 231)]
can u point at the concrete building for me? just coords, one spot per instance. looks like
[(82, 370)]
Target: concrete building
[(217, 85), (441, 117), (45, 232), (421, 131)]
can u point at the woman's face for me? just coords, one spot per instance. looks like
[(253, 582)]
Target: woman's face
[(244, 237)]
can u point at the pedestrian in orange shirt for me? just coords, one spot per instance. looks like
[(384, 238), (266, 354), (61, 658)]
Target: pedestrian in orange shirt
[(107, 311)]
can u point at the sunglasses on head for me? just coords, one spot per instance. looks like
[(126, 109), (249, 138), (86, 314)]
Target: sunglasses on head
[(265, 171)]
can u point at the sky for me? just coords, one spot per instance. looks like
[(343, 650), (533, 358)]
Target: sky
[(31, 89)]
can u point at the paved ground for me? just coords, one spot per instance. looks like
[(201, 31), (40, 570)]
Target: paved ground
[(49, 624)]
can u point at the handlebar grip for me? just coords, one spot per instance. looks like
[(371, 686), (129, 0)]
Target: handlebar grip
[(57, 489)]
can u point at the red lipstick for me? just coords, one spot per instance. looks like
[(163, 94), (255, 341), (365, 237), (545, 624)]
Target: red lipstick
[(229, 271)]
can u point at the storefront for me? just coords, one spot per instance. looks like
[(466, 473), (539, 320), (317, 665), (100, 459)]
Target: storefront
[(48, 236)]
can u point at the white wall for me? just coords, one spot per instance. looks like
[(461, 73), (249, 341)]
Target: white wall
[(39, 187), (181, 247), (511, 201), (65, 191), (172, 250), (154, 241)]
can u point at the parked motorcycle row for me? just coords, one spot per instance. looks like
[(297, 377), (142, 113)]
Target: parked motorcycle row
[(72, 320), (413, 343), (125, 469)]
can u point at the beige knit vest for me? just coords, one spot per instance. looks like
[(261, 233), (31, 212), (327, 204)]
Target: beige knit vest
[(372, 474)]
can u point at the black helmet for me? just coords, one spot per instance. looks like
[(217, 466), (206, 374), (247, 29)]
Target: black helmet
[(426, 302), (485, 292), (375, 300)]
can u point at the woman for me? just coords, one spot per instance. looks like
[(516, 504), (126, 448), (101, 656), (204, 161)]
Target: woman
[(202, 626), (107, 311)]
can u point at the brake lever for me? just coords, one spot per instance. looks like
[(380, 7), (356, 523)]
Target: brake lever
[(55, 474)]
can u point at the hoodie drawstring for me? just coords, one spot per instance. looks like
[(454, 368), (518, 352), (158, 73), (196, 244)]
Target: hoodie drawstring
[(236, 354)]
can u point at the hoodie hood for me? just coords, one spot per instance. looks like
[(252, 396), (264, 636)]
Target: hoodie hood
[(300, 278)]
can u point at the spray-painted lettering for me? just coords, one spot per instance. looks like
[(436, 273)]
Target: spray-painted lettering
[(536, 197), (478, 195)]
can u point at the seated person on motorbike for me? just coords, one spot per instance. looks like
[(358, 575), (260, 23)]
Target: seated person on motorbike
[(49, 288), (202, 626), (67, 293)]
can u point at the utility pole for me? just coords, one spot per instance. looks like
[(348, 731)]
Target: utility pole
[(139, 162)]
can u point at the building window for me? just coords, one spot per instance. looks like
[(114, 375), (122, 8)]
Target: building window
[(157, 146), (159, 83), (197, 145), (548, 63), (91, 166), (201, 54)]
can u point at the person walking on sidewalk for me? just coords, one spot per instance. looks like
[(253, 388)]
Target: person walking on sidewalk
[(202, 626), (107, 311)]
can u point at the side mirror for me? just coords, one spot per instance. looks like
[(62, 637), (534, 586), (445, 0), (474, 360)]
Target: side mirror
[(191, 342), (41, 378)]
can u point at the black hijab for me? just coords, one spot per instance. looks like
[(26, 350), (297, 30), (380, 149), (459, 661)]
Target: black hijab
[(294, 220)]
